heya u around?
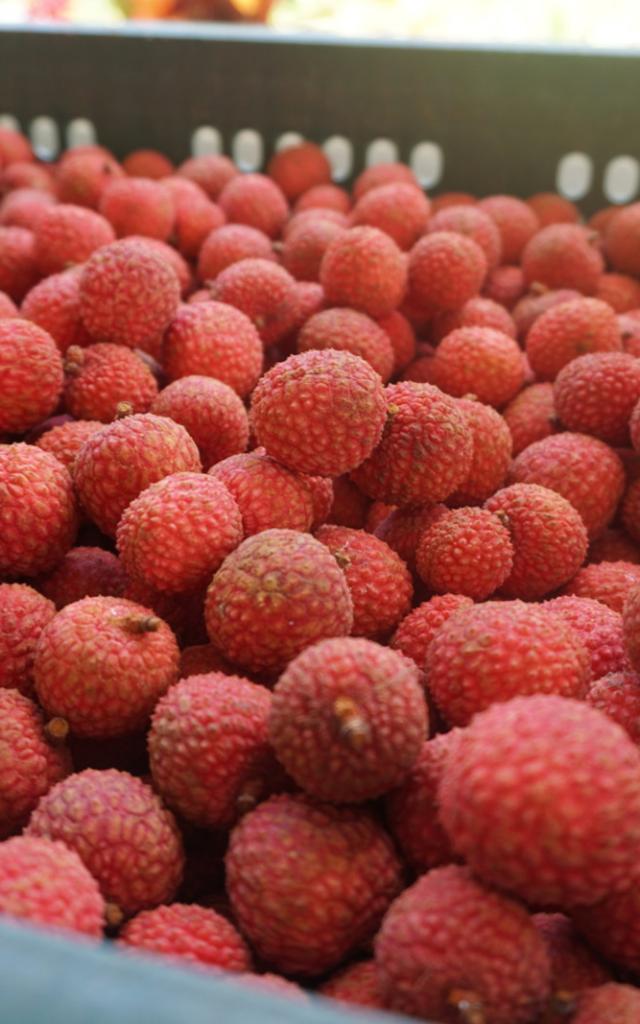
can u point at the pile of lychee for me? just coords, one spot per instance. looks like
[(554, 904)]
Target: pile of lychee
[(320, 581)]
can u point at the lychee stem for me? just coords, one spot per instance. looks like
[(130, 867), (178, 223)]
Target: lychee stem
[(353, 727), (123, 409), (113, 915), (537, 288), (57, 730), (139, 623), (249, 796), (468, 1005), (503, 517), (73, 360), (561, 1005)]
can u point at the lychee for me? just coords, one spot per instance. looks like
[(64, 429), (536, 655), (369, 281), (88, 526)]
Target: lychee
[(617, 695), (569, 330), (210, 171), (551, 208), (382, 174), (477, 312), (481, 362), (18, 267), (212, 413), (31, 375), (364, 269), (263, 291), (474, 223), (66, 440), (416, 631), (101, 377), (467, 551), (67, 234), (621, 240), (147, 163), (445, 270), (530, 416), (349, 331), (229, 244), (402, 528), (491, 454), (355, 985), (399, 209), (255, 200), (298, 168), (563, 256), (84, 572), (598, 628), (54, 305), (188, 934), (608, 582), (84, 173), (608, 1004), (324, 197), (138, 206), (573, 966), (23, 615), (268, 495), (516, 222), (505, 285)]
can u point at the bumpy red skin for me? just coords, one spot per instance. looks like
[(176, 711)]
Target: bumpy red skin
[(631, 510), (620, 240), (631, 625), (26, 174), (276, 594), (187, 933), (230, 244), (122, 460), (477, 312), (147, 163), (425, 452), (608, 1004), (399, 209), (213, 339), (530, 416), (170, 256), (445, 270), (13, 146), (66, 440), (349, 506), (445, 199), (548, 535), (621, 292), (356, 985), (563, 256), (23, 615), (209, 753), (551, 208), (401, 528), (54, 305), (308, 217), (24, 207), (607, 582), (200, 659), (479, 361), (516, 222), (582, 469), (447, 934), (196, 218), (614, 546), (178, 531), (18, 268), (263, 291), (499, 650), (505, 285), (102, 376), (321, 490), (30, 765), (304, 247), (138, 206), (83, 175), (599, 629), (8, 307), (38, 513), (67, 234), (411, 810), (536, 302), (309, 731), (468, 551), (491, 454), (47, 884), (128, 293), (319, 412), (382, 174), (184, 613), (255, 200), (617, 694), (211, 172), (324, 197), (573, 966), (122, 833), (298, 168), (474, 223), (349, 331), (212, 413), (31, 375), (268, 495), (577, 841), (379, 582), (364, 269), (416, 631), (309, 882), (610, 926), (402, 337), (84, 572), (101, 674), (569, 330)]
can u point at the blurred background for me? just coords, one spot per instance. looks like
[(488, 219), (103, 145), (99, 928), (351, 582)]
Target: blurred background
[(585, 22)]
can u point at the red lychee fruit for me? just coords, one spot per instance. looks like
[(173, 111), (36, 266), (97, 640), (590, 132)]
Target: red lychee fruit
[(184, 613), (268, 495), (276, 594), (477, 312), (229, 244), (348, 719), (38, 514), (307, 217), (263, 291), (607, 582), (195, 218), (147, 163), (30, 764), (411, 810), (24, 207), (540, 796), (84, 572), (548, 535), (13, 146), (212, 339), (321, 490), (617, 695), (611, 927), (286, 851), (491, 454), (23, 615), (608, 1004), (201, 659), (416, 631), (67, 234), (128, 293), (582, 469), (530, 416), (446, 199), (425, 452), (138, 206), (110, 686), (178, 531), (448, 942), (115, 465), (255, 200), (631, 510), (399, 209), (170, 256), (47, 884), (505, 285), (551, 208), (476, 224), (621, 240), (304, 247), (382, 174), (573, 966), (467, 551), (536, 302), (212, 413), (349, 331), (401, 528), (356, 985), (121, 832), (324, 197), (445, 270), (7, 306), (211, 172), (188, 934), (319, 412), (379, 581), (101, 377), (569, 330), (208, 747), (516, 222), (66, 440), (563, 256), (54, 305), (31, 375), (364, 269), (598, 628), (298, 168), (614, 546), (620, 291), (83, 174), (402, 337), (494, 651), (481, 362), (349, 505), (18, 268)]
